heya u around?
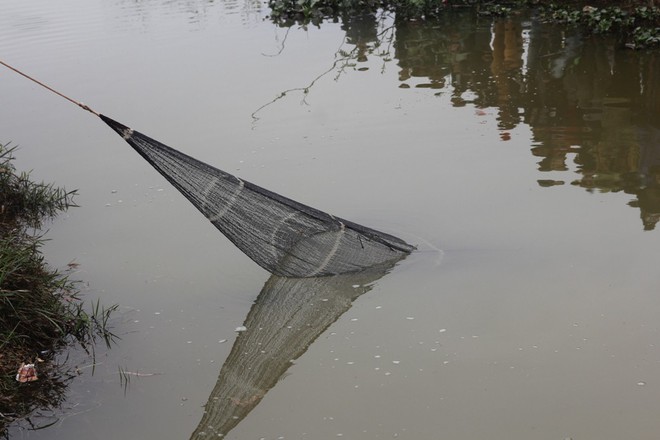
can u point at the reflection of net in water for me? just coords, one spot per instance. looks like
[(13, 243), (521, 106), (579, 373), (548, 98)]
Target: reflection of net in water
[(288, 315), (284, 237)]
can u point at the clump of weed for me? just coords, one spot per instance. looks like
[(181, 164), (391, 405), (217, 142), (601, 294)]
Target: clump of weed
[(40, 310)]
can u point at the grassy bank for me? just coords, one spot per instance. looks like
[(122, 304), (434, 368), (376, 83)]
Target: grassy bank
[(40, 311)]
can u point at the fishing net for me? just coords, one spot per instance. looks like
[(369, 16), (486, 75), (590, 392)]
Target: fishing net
[(284, 237)]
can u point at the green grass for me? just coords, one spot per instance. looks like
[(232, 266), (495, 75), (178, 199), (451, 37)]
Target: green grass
[(41, 312)]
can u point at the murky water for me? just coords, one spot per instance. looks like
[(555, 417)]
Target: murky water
[(524, 161)]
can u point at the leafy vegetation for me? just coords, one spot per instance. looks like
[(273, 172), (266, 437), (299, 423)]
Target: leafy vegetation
[(637, 26), (40, 310), (637, 23)]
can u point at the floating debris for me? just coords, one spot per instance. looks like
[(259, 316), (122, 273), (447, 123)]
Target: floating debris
[(26, 373), (241, 328)]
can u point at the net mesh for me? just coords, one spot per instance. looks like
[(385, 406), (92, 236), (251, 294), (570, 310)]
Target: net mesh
[(284, 237)]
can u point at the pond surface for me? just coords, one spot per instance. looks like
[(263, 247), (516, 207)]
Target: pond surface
[(521, 159)]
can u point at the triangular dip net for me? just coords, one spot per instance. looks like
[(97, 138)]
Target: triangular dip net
[(284, 237)]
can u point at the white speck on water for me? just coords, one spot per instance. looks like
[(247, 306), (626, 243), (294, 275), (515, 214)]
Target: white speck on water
[(379, 307), (442, 330), (396, 362), (156, 313), (377, 356), (356, 286), (324, 299), (410, 318), (222, 341), (241, 328), (641, 383), (188, 342), (354, 319), (350, 363)]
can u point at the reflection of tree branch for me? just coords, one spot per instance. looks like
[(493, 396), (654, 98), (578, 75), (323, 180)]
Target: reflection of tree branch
[(390, 41), (343, 60), (346, 56), (281, 48)]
